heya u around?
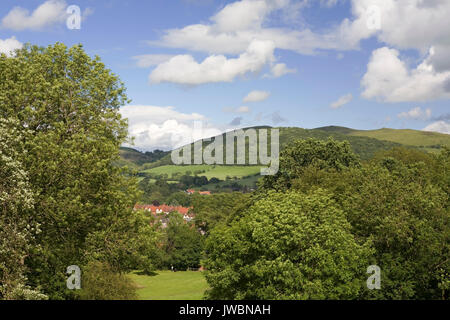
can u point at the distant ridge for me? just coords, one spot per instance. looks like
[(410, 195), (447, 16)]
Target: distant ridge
[(343, 130), (365, 143)]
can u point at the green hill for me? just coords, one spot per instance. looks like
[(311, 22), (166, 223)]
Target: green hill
[(136, 157), (365, 143), (427, 141)]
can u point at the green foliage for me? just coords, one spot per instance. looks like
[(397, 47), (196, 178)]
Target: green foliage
[(323, 155), (287, 246), (102, 282), (215, 209), (402, 206), (183, 244), (17, 226), (66, 106)]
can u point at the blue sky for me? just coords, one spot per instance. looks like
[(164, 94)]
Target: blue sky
[(299, 63)]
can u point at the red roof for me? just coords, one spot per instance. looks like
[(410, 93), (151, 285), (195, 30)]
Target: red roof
[(163, 208)]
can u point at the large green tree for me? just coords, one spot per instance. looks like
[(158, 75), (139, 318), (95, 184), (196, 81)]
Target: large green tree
[(67, 108), (401, 202), (287, 246)]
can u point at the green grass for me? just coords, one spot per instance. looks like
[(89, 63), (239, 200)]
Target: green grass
[(168, 285), (211, 171), (406, 136)]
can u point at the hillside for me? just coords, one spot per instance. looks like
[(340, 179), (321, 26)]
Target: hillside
[(407, 137), (364, 143), (136, 157)]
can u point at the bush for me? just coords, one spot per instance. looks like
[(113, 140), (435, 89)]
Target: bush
[(100, 282)]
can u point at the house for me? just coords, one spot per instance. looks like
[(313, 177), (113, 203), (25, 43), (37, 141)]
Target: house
[(192, 191), (162, 210)]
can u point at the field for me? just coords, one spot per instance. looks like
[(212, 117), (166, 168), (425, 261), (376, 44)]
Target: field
[(168, 285), (210, 171), (406, 136)]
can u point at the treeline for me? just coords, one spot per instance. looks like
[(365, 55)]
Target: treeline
[(312, 230), (159, 188)]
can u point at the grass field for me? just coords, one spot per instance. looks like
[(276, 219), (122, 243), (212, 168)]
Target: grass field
[(168, 285), (406, 136), (219, 172)]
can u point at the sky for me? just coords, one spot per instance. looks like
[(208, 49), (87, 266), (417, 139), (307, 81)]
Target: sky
[(362, 64)]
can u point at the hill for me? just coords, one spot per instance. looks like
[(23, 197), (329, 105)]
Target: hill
[(364, 143), (136, 157), (427, 141)]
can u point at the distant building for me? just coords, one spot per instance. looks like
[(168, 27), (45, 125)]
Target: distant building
[(162, 210), (192, 191)]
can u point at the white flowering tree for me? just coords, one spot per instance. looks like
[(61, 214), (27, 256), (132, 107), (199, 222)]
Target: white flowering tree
[(16, 228)]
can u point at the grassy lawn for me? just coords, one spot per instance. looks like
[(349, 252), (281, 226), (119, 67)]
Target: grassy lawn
[(218, 171), (168, 285)]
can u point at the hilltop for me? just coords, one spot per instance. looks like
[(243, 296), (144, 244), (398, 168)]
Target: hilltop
[(365, 143)]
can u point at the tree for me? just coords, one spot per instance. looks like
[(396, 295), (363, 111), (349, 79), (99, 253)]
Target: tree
[(67, 108), (17, 229), (400, 202), (215, 209), (287, 246), (183, 244), (300, 154)]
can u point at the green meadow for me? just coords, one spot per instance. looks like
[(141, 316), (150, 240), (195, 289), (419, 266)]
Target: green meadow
[(209, 171), (168, 285)]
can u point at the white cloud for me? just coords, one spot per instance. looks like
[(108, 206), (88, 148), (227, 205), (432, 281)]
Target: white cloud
[(49, 13), (438, 126), (342, 101), (416, 114), (280, 69), (389, 79), (7, 46), (238, 23), (183, 69), (241, 109), (149, 60), (256, 96), (163, 127), (234, 27)]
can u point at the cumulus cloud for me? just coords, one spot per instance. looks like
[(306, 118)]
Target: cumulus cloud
[(256, 96), (416, 114), (8, 46), (49, 13), (164, 127), (389, 79), (150, 60), (342, 101), (233, 28), (183, 69), (280, 69), (438, 126)]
